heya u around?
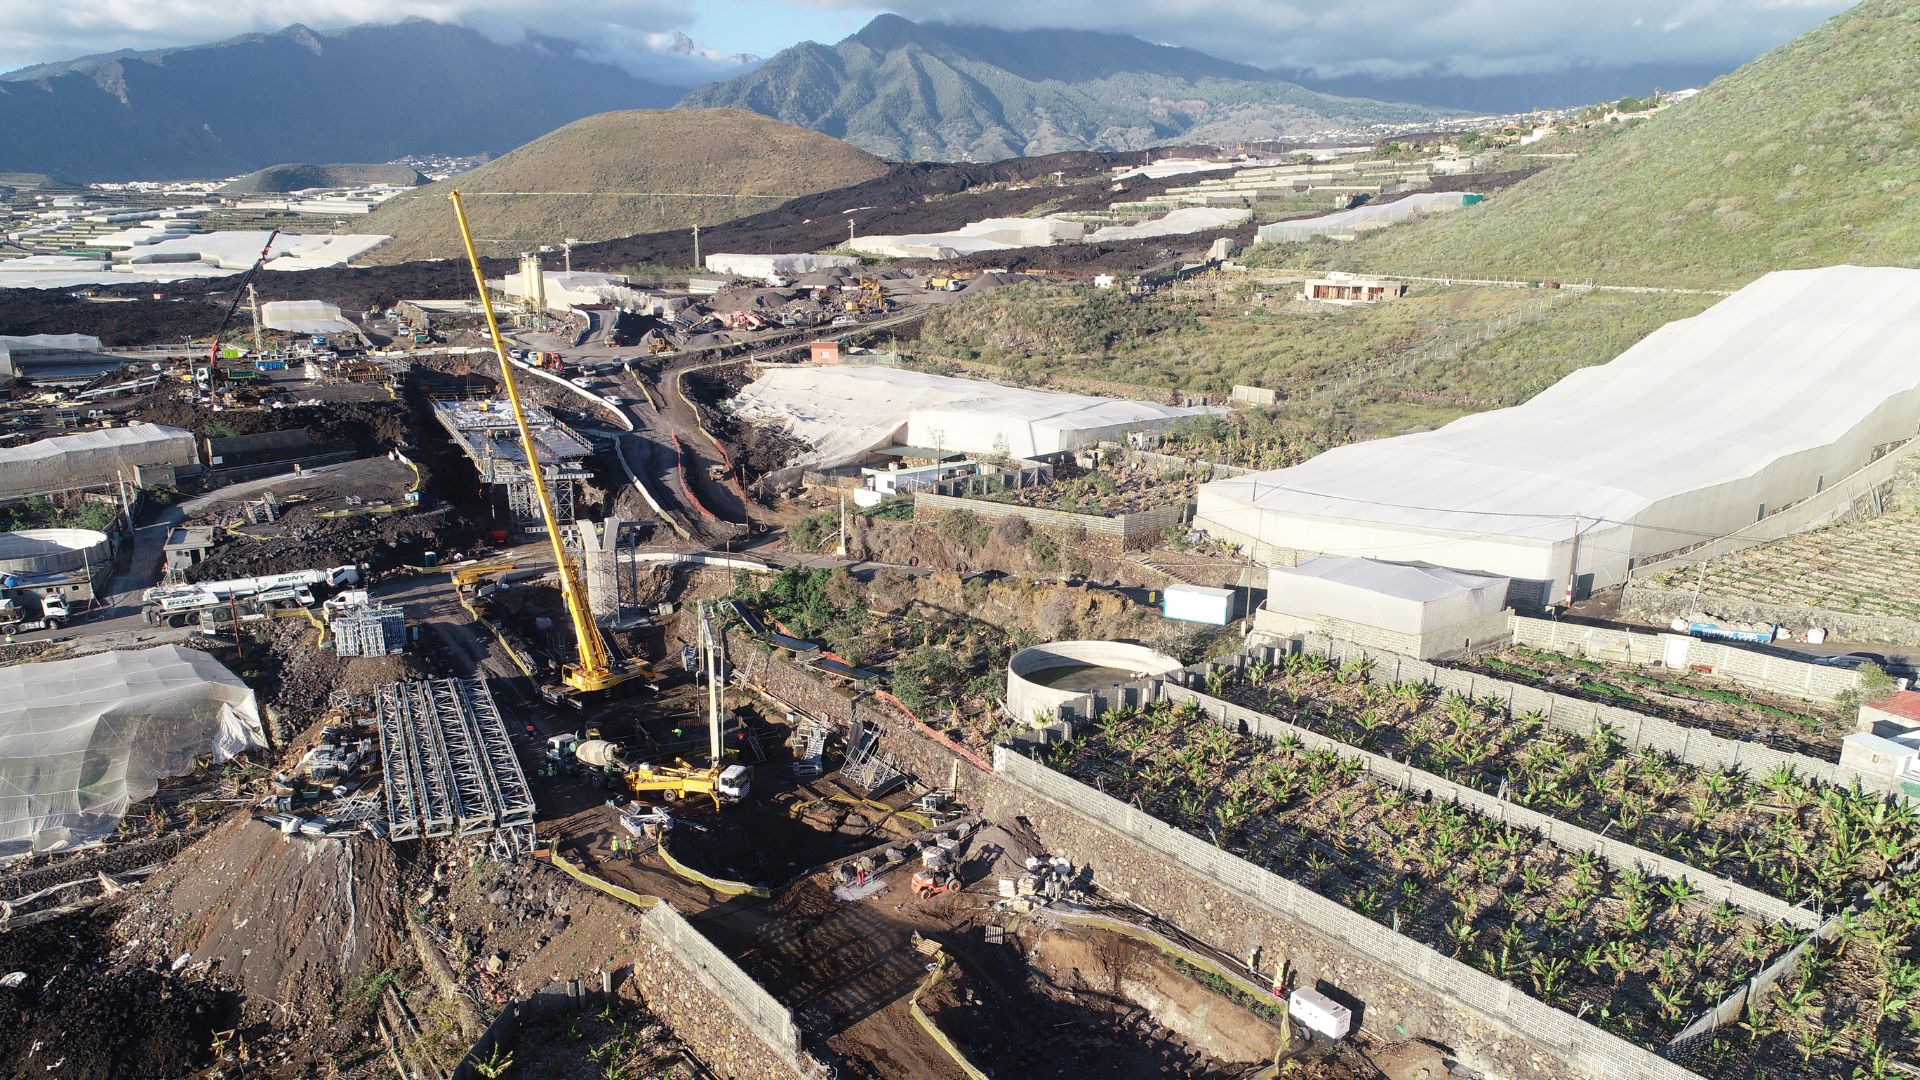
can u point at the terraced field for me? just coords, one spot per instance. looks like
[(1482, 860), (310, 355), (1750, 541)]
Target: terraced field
[(1854, 567)]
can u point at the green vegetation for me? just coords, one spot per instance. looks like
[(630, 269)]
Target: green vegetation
[(1853, 1004), (1845, 568), (812, 532), (819, 605), (38, 512), (688, 150), (1265, 1008), (1723, 821), (1680, 696), (1805, 157), (1342, 374)]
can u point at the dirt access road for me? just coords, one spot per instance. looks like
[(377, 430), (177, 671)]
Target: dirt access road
[(666, 445)]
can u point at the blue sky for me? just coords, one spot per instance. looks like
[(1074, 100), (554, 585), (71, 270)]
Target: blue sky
[(764, 27)]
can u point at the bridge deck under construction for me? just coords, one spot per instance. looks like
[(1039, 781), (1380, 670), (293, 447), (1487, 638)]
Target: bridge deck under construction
[(449, 767)]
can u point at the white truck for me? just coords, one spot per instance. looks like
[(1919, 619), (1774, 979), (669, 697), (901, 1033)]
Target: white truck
[(242, 599), (21, 611)]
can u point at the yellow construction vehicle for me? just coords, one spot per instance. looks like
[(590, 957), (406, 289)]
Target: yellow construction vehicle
[(467, 577), (597, 669), (719, 781)]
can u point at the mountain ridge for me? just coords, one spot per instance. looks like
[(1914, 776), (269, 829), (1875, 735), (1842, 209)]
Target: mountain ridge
[(1808, 156), (231, 107), (907, 90)]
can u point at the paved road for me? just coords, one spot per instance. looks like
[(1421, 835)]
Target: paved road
[(150, 540)]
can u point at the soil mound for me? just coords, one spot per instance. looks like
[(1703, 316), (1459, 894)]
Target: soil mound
[(297, 926)]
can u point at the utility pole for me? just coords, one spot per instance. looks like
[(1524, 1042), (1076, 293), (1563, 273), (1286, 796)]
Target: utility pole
[(849, 230), (567, 246), (843, 523), (697, 264), (253, 301)]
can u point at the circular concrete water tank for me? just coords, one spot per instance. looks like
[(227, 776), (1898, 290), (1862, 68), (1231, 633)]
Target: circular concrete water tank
[(52, 551), (1042, 678)]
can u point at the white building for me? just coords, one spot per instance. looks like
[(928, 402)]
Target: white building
[(1708, 425), (844, 412), (1417, 609)]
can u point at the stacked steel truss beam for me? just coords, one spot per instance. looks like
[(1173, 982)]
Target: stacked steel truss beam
[(451, 769)]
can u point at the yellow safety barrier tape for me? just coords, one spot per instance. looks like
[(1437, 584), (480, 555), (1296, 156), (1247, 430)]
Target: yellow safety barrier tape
[(719, 885), (638, 900), (926, 1022)]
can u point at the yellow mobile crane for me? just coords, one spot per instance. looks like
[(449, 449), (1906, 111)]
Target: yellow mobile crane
[(597, 669)]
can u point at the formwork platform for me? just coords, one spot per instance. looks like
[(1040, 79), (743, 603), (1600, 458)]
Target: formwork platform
[(485, 431), (449, 767)]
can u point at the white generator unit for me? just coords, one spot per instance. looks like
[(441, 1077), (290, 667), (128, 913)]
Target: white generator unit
[(1319, 1013), (1195, 603)]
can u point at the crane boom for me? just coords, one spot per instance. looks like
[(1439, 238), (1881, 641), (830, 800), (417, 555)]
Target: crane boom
[(595, 671)]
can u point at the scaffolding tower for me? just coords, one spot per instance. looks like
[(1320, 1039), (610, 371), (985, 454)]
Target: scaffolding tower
[(449, 767), (369, 630)]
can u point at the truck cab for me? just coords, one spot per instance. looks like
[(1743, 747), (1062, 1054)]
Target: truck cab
[(734, 783)]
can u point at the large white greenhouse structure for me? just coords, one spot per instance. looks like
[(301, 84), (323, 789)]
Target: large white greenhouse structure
[(1780, 393), (844, 412)]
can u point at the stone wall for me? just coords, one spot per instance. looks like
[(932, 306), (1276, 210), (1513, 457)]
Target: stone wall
[(1656, 604), (1137, 530)]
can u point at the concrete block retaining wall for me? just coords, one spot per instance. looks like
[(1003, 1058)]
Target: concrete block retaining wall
[(1406, 987), (738, 1029), (1749, 667), (1136, 530), (1655, 603), (1577, 717)]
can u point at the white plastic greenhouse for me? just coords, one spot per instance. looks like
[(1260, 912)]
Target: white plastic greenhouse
[(82, 740), (1771, 398), (843, 412), (1346, 224)]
